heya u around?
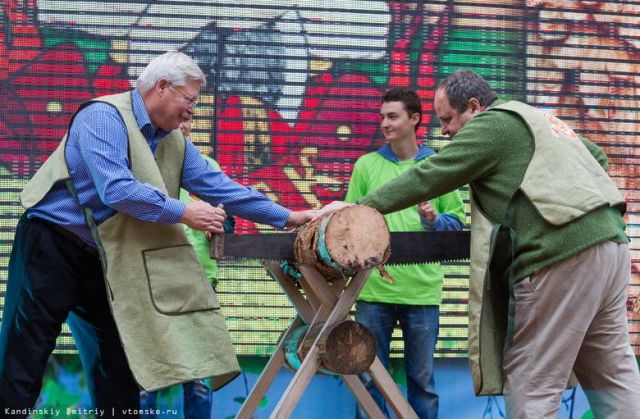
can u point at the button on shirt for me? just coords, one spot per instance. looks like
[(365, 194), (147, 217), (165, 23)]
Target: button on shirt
[(98, 162)]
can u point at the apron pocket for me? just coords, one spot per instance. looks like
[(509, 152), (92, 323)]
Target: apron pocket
[(177, 281)]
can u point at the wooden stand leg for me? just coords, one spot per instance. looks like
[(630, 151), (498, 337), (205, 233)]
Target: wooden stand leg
[(296, 387), (383, 381), (390, 391), (302, 305), (363, 396), (341, 307), (267, 376), (327, 305)]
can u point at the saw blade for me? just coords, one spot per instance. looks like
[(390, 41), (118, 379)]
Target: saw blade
[(410, 247), (276, 247), (406, 247)]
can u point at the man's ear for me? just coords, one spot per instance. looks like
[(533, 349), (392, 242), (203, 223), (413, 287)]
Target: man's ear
[(475, 106), (161, 86), (415, 118)]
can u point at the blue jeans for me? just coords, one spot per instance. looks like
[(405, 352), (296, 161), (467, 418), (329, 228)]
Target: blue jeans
[(420, 326), (197, 400)]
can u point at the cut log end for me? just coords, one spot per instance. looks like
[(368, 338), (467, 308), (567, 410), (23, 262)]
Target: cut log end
[(345, 242), (357, 238), (349, 348)]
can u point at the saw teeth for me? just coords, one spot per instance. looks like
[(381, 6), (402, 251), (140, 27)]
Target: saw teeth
[(422, 263)]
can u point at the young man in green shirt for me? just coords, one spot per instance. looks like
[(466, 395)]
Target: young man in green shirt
[(413, 298), (548, 288)]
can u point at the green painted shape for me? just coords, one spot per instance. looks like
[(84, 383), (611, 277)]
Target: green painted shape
[(377, 71), (55, 393), (497, 55), (94, 50)]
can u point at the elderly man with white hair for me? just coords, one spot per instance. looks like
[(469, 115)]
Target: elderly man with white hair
[(101, 241)]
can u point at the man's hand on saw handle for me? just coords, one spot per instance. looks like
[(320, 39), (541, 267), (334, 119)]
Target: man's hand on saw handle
[(200, 215)]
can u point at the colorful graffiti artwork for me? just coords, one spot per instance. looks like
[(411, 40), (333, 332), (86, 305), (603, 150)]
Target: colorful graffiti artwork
[(292, 100), (299, 141), (292, 97), (45, 77)]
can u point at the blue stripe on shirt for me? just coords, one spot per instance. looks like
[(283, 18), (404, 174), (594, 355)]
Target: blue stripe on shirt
[(98, 162)]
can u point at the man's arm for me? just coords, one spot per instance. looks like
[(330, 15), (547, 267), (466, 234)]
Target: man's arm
[(450, 213), (215, 187), (472, 154), (103, 144)]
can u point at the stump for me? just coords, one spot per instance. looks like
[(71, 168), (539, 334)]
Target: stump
[(344, 242), (349, 348)]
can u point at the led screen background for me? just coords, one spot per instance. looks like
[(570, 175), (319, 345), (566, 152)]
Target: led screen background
[(293, 94)]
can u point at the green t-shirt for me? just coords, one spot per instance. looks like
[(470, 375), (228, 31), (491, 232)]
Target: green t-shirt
[(416, 284)]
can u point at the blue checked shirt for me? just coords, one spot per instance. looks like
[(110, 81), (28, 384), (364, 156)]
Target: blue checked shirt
[(97, 157)]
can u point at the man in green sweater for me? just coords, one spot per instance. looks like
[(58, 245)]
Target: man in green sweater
[(550, 261), (413, 298)]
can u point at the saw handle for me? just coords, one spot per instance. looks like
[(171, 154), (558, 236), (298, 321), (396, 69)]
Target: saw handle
[(217, 246), (217, 243)]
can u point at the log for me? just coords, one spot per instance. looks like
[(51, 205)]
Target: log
[(348, 348), (343, 243)]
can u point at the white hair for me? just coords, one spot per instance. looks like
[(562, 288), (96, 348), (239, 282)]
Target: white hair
[(174, 67)]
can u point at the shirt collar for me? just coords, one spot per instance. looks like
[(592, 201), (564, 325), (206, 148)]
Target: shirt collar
[(386, 152)]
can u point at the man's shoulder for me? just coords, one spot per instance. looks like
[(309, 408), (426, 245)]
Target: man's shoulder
[(499, 111), (97, 106), (97, 112), (369, 158), (495, 118)]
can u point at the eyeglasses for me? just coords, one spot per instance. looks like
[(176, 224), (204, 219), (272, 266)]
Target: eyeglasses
[(192, 101)]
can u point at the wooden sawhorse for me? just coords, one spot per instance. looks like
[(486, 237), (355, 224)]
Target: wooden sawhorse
[(320, 302)]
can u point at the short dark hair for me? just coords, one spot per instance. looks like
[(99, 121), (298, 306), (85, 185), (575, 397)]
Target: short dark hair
[(462, 85), (409, 98)]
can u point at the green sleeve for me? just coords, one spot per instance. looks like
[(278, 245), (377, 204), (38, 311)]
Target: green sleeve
[(473, 153), (202, 247)]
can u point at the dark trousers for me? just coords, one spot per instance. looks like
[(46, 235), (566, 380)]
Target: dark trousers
[(50, 278)]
